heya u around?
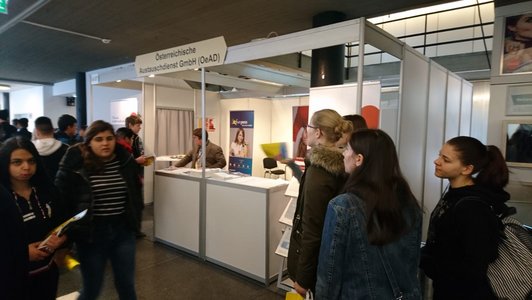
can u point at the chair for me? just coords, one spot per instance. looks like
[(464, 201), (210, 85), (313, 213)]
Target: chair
[(270, 167)]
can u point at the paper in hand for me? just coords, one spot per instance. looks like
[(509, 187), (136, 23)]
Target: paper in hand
[(59, 230)]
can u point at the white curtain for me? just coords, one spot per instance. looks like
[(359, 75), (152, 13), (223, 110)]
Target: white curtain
[(174, 131)]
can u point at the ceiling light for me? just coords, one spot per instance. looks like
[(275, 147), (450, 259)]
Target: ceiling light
[(152, 75), (119, 80), (4, 87)]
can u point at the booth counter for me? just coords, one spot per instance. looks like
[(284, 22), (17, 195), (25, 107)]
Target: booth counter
[(240, 219)]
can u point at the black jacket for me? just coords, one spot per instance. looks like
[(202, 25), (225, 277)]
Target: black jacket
[(323, 180), (462, 240), (14, 250), (72, 180), (6, 131)]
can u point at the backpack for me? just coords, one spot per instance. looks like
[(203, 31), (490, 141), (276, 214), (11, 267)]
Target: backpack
[(510, 275)]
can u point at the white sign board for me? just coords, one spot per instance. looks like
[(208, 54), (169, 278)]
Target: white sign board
[(121, 109), (343, 98), (186, 57)]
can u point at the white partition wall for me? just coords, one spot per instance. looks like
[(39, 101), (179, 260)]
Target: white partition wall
[(452, 111), (435, 132), (466, 108), (413, 118)]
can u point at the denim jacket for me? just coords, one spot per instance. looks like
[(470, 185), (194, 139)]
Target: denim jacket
[(350, 268)]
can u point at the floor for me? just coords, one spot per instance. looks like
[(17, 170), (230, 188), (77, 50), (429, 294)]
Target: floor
[(165, 273)]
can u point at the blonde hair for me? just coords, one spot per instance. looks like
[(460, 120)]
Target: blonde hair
[(331, 124)]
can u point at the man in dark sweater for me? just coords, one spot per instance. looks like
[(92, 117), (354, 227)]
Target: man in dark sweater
[(67, 130), (50, 149)]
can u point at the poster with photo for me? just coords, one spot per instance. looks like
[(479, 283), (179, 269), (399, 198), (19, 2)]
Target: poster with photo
[(299, 130), (241, 136), (517, 44)]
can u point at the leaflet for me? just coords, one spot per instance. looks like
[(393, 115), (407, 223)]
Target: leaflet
[(59, 230)]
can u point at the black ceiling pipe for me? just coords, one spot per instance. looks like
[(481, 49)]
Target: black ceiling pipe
[(327, 63), (5, 100), (81, 99)]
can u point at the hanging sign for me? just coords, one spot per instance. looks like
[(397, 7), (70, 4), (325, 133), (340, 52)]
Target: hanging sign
[(186, 57), (3, 7)]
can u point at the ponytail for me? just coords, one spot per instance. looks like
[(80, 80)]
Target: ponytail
[(495, 172), (487, 161)]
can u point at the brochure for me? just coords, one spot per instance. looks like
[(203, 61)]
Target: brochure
[(289, 211), (284, 243), (275, 150), (59, 230)]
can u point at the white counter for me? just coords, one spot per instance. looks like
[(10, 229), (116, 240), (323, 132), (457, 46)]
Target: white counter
[(241, 228)]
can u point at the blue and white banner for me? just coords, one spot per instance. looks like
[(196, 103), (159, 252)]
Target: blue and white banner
[(241, 134)]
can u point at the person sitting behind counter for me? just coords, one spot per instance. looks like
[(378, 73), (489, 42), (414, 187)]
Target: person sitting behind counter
[(214, 157)]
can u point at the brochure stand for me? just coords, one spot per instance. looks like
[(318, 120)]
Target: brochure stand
[(286, 218)]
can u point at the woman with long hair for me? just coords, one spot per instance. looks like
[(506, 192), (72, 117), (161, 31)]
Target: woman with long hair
[(322, 181), (101, 176), (239, 146), (372, 232), (23, 174), (463, 235)]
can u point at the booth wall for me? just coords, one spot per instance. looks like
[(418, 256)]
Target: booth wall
[(273, 123), (435, 105), (102, 97), (520, 185), (27, 101), (55, 106), (282, 122)]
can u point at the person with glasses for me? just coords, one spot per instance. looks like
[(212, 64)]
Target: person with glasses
[(322, 180)]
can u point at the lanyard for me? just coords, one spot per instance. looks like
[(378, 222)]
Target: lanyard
[(30, 206)]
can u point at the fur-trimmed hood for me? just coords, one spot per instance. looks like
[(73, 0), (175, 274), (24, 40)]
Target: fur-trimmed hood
[(328, 158)]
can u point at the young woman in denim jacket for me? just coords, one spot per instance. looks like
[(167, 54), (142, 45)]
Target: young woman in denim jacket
[(372, 232), (463, 236), (323, 180)]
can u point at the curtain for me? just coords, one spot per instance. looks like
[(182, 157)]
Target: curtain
[(173, 131)]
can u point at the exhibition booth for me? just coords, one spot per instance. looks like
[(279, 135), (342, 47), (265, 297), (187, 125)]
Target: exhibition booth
[(233, 220)]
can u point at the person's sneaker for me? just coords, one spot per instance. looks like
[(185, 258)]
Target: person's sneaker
[(140, 235)]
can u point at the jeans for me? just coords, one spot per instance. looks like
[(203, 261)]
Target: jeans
[(113, 241)]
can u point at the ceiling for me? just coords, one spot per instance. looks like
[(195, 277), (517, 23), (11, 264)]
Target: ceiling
[(31, 53)]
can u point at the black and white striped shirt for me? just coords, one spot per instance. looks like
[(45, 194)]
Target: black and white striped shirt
[(109, 190)]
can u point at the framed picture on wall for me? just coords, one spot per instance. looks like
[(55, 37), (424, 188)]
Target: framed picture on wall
[(517, 143), (517, 44), (519, 100)]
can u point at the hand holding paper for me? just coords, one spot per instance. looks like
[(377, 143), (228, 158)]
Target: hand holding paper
[(55, 235), (275, 150)]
